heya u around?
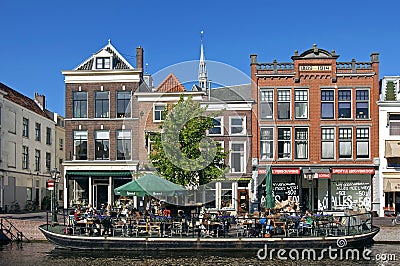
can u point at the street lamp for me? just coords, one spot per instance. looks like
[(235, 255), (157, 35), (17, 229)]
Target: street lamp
[(55, 176), (309, 175)]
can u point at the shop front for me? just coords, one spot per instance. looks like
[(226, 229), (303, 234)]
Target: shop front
[(391, 189)]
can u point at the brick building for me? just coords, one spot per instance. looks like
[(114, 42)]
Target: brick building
[(101, 120), (316, 123)]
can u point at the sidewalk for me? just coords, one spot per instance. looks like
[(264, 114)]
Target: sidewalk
[(28, 223)]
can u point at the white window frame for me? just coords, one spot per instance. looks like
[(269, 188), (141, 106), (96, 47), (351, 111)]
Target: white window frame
[(284, 140), (123, 137), (297, 141), (154, 112), (116, 103), (101, 61), (284, 101), (221, 126), (333, 141), (243, 162), (363, 140), (81, 116), (82, 133), (267, 100), (243, 132), (107, 115), (345, 140), (306, 102), (271, 141), (97, 137)]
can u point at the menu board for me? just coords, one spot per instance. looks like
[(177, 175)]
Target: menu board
[(285, 190)]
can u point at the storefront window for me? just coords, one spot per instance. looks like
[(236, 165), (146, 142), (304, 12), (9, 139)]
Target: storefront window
[(226, 195)]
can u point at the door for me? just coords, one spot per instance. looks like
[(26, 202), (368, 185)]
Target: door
[(243, 200), (100, 195)]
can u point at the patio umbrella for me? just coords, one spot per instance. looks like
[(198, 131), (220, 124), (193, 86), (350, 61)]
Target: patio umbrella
[(149, 184), (269, 199)]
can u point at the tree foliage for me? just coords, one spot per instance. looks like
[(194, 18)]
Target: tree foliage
[(182, 152), (390, 91)]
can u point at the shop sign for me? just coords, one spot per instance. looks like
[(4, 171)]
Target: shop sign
[(315, 67), (323, 175), (262, 171), (286, 171), (353, 171)]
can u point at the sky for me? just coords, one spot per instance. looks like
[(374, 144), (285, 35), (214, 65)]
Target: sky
[(41, 38)]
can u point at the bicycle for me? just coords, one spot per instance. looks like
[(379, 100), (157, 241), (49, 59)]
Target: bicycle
[(396, 220), (30, 205), (14, 207)]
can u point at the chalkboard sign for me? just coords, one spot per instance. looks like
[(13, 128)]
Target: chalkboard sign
[(285, 190)]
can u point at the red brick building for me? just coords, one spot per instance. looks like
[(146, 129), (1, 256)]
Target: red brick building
[(101, 126), (316, 123)]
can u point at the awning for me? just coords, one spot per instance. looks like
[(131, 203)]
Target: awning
[(391, 184), (392, 148), (99, 173)]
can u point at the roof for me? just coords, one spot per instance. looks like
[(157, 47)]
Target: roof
[(315, 53), (118, 61), (232, 93), (22, 100), (170, 84)]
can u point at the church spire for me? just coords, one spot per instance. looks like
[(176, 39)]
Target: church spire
[(202, 66)]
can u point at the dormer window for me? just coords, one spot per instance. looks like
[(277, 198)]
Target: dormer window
[(103, 63)]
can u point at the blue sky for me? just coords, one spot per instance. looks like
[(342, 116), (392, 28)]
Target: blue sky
[(39, 39)]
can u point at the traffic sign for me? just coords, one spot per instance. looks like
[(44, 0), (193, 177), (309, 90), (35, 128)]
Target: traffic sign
[(50, 184)]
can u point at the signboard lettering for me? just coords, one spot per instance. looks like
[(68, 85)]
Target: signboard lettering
[(353, 171), (285, 191), (323, 175), (290, 171), (315, 67)]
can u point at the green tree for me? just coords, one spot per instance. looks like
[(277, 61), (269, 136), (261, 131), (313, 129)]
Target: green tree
[(182, 153), (390, 93)]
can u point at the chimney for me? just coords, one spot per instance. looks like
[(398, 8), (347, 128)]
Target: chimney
[(40, 100), (139, 58)]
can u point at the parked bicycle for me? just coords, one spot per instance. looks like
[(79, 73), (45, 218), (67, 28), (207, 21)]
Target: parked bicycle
[(14, 207), (396, 220), (30, 205)]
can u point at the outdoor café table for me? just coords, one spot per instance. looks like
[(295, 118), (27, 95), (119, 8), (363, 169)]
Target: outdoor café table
[(86, 225)]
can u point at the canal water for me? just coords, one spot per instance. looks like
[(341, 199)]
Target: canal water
[(43, 253)]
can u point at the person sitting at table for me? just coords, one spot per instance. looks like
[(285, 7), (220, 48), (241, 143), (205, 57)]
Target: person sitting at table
[(123, 212), (77, 215), (89, 210)]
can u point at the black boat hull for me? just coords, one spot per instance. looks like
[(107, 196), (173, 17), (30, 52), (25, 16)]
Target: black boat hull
[(225, 244)]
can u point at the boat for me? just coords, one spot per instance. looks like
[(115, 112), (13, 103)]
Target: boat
[(349, 236)]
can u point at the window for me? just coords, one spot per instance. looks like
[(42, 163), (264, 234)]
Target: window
[(362, 104), (102, 145), (344, 99), (12, 122), (25, 127), (123, 104), (159, 113), (266, 104), (61, 144), (37, 160), (327, 104), (266, 143), (284, 143), (217, 129), (60, 164), (80, 145), (328, 143), (25, 157), (394, 124), (48, 161), (48, 136), (12, 154), (102, 104), (80, 104), (37, 131), (103, 63), (124, 145), (238, 125), (301, 143), (301, 103), (226, 195), (362, 139), (283, 104), (237, 158), (345, 150)]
